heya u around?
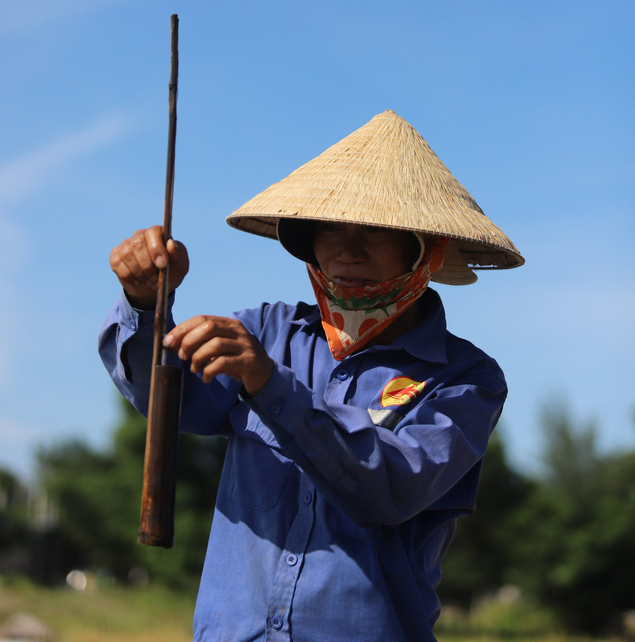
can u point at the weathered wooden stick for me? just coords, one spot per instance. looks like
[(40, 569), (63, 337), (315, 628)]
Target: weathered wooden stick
[(156, 527)]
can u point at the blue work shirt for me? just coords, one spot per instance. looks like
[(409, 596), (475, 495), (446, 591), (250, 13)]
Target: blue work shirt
[(342, 481)]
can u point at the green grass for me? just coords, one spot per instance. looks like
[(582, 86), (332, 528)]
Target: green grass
[(155, 614), (103, 614)]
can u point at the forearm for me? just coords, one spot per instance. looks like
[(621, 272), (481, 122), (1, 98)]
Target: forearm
[(125, 347), (375, 475)]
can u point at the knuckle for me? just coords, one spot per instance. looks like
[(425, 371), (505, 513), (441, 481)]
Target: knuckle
[(206, 323), (187, 342), (197, 323), (197, 362), (219, 364), (154, 235), (115, 258), (137, 240)]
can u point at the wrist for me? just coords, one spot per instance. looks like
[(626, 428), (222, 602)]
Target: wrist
[(258, 378), (140, 303)]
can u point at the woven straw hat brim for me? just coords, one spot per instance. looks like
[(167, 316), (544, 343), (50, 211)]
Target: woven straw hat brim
[(385, 174)]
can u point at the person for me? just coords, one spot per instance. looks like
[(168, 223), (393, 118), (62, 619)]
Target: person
[(356, 427)]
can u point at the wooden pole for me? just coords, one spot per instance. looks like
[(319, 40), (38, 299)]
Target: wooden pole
[(156, 526)]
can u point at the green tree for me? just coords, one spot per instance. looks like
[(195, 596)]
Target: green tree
[(566, 537), (14, 527), (576, 533), (99, 497), (479, 558)]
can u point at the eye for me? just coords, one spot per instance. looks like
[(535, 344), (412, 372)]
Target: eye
[(328, 227)]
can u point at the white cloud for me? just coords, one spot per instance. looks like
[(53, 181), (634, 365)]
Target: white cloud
[(24, 175), (21, 178)]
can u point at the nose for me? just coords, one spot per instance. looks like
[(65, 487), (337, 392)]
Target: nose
[(350, 248)]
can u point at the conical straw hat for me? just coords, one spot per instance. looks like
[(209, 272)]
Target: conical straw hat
[(385, 174)]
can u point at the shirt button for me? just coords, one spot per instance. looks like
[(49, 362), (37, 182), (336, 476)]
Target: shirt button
[(275, 408), (307, 497), (276, 622), (342, 374), (292, 559)]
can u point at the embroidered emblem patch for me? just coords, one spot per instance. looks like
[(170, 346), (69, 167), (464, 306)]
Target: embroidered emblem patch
[(400, 391)]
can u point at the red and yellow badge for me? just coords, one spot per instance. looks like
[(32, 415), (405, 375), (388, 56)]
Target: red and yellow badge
[(400, 391)]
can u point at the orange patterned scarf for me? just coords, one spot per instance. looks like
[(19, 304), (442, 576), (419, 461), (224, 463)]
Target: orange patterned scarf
[(352, 317)]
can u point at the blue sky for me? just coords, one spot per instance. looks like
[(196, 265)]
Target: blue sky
[(529, 104)]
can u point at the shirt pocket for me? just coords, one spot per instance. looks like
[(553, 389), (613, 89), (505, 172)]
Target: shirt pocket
[(258, 473)]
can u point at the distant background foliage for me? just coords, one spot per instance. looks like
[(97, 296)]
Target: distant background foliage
[(558, 548)]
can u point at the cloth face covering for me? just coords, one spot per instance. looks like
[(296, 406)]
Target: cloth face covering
[(352, 317)]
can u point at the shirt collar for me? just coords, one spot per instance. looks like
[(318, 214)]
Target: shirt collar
[(427, 340), (307, 317)]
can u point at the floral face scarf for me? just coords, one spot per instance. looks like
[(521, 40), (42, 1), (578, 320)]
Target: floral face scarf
[(352, 317)]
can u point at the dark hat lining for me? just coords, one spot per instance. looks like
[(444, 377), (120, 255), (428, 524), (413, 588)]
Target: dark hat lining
[(296, 236)]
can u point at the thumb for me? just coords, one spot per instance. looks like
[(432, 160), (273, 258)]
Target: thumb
[(176, 250), (179, 262)]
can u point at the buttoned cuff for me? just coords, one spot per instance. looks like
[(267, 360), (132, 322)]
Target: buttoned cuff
[(130, 317), (280, 402)]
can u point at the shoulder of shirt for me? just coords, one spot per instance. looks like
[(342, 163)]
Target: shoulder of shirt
[(457, 350), (278, 314), (462, 350)]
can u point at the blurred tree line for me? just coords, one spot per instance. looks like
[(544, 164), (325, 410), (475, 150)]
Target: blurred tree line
[(565, 538), (85, 515)]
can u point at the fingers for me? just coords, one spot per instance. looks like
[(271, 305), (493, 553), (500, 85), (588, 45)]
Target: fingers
[(153, 251), (191, 335), (219, 345), (131, 261), (219, 356), (138, 260)]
